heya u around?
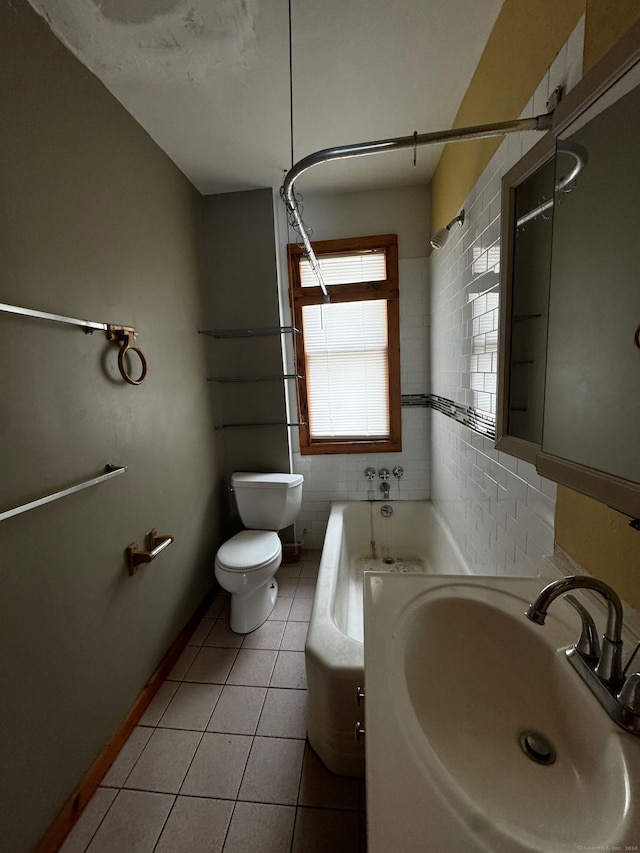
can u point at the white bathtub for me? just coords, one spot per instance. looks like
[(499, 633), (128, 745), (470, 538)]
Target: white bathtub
[(358, 538)]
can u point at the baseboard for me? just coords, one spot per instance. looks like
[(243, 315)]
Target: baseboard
[(71, 811)]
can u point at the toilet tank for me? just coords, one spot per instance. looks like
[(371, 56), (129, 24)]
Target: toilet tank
[(267, 501)]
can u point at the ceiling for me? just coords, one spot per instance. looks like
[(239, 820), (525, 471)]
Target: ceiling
[(209, 80)]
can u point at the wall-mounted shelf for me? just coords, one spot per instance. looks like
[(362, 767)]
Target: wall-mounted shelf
[(263, 424), (277, 378), (249, 333)]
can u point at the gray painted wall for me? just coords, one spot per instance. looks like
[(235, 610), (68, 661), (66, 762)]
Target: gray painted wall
[(240, 259), (95, 222)]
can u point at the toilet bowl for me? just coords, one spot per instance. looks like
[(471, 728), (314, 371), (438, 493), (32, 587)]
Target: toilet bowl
[(245, 565)]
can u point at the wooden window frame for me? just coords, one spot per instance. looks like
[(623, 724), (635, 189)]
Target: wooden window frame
[(388, 290)]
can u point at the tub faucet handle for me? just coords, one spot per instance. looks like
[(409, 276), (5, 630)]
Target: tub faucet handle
[(369, 473), (383, 473), (398, 472)]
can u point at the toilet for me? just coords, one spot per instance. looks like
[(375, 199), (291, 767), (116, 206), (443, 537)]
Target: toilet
[(246, 564)]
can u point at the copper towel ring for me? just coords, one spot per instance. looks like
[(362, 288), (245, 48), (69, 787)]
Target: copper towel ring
[(127, 336)]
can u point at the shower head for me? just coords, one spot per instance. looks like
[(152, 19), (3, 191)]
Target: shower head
[(440, 237)]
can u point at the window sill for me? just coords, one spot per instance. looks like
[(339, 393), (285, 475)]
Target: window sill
[(386, 445)]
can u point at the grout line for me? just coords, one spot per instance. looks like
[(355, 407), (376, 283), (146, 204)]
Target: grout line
[(166, 821)]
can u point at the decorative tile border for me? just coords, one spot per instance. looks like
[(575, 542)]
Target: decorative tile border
[(481, 422), (412, 401)]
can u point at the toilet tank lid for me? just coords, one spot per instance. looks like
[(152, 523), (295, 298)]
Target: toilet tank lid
[(251, 480)]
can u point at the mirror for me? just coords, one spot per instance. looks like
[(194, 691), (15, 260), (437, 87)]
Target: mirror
[(592, 399), (569, 396), (530, 299)]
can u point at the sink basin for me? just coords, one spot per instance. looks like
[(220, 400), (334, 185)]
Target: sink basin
[(456, 676)]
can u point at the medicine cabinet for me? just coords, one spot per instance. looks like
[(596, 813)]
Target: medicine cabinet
[(569, 397)]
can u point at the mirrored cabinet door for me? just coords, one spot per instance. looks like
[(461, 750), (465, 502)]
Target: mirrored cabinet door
[(569, 396), (530, 299), (527, 210), (592, 402)]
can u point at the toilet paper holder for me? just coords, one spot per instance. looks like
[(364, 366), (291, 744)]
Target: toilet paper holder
[(156, 544)]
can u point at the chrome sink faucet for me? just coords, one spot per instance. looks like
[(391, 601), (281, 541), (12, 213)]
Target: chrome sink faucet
[(609, 665), (600, 670)]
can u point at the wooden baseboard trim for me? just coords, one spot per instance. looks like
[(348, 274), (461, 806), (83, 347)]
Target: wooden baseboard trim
[(71, 811)]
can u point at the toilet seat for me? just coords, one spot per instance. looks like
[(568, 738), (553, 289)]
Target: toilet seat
[(249, 551)]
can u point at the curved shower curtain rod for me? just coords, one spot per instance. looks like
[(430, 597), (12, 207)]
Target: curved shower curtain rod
[(361, 149), (564, 184)]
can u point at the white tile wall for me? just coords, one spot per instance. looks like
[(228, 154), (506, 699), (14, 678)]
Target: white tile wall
[(341, 477), (500, 510)]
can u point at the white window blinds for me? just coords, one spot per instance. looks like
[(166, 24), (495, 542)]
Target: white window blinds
[(350, 268), (347, 369)]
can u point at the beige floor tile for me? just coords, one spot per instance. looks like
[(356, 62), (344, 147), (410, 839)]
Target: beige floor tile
[(158, 704), (289, 671), (218, 605), (281, 610), (133, 823), (301, 610), (164, 761), (290, 570), (253, 668), (191, 707), (196, 825), (319, 787), (217, 767), (211, 665), (284, 714), (309, 569), (267, 636), (221, 635), (294, 637), (238, 710), (89, 821), (287, 587), (199, 635), (131, 751), (273, 771), (180, 667), (260, 828), (326, 831), (306, 588)]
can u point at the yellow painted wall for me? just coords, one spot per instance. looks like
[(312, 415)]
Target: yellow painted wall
[(597, 537), (606, 22), (525, 40)]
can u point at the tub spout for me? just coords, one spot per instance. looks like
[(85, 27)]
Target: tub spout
[(385, 489)]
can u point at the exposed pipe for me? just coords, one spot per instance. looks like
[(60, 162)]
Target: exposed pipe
[(362, 149)]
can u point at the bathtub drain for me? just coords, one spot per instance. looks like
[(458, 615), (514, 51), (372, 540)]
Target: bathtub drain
[(389, 561)]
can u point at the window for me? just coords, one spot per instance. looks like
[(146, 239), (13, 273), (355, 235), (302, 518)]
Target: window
[(348, 351)]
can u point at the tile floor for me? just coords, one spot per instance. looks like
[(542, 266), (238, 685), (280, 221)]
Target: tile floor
[(219, 763)]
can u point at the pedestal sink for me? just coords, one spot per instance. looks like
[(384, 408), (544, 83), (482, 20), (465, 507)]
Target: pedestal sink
[(480, 736)]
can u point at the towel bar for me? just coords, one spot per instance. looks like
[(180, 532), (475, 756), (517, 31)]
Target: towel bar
[(110, 471), (126, 335)]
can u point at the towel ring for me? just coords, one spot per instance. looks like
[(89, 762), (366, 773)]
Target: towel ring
[(127, 336)]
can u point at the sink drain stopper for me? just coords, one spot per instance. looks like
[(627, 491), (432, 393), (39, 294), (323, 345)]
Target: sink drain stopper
[(537, 747)]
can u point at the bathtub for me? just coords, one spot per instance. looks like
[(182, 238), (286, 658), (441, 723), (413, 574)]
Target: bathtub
[(359, 538)]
